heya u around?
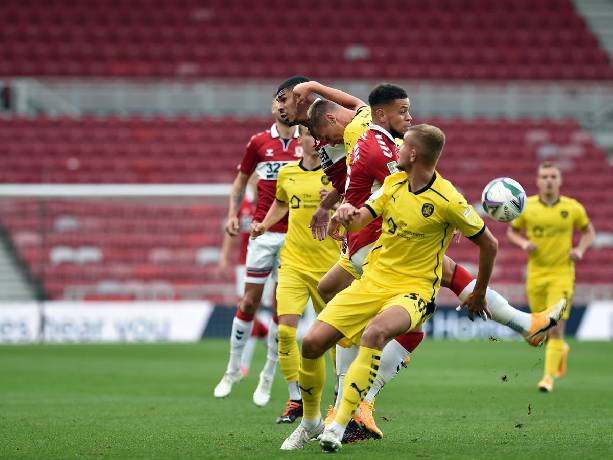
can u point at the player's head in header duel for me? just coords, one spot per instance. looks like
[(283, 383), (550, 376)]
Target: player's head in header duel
[(289, 108), (422, 147), (390, 107)]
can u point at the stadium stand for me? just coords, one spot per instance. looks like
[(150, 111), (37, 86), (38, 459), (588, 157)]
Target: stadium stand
[(118, 249), (439, 39)]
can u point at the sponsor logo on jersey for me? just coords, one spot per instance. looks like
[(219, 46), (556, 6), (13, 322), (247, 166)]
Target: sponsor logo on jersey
[(294, 202)]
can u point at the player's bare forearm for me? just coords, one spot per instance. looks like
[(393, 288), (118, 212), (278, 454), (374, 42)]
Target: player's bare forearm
[(330, 200), (515, 238), (237, 193), (488, 248), (587, 238), (276, 212), (336, 95), (360, 219)]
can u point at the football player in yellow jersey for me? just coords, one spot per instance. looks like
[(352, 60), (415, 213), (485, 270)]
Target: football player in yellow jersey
[(303, 260), (548, 224), (396, 294)]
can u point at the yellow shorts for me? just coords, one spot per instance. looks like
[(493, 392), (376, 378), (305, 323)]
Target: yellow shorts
[(544, 291), (294, 289), (357, 263), (345, 263), (353, 308)]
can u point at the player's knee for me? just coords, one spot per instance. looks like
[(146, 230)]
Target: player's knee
[(249, 304), (374, 336), (312, 348)]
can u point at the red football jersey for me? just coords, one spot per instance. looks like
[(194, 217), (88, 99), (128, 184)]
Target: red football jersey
[(373, 158), (334, 164), (266, 153)]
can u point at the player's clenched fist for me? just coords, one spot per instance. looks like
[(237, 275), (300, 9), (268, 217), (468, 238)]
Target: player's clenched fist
[(256, 229), (232, 226), (346, 213)]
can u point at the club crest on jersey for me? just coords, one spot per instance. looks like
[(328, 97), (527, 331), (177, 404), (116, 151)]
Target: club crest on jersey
[(564, 214), (269, 153), (427, 209), (325, 180), (392, 167)]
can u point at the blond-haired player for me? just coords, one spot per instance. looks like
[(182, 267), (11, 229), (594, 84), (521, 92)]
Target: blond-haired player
[(303, 260), (547, 225), (396, 294)]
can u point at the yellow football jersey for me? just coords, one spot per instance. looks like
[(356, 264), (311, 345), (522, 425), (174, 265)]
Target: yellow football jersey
[(550, 228), (356, 127), (417, 228), (299, 187)]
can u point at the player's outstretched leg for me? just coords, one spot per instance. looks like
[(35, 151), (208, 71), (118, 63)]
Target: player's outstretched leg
[(543, 322), (533, 327)]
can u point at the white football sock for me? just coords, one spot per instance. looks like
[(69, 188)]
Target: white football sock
[(344, 358), (310, 424), (502, 312), (272, 355), (248, 352), (241, 331), (392, 360), (294, 391)]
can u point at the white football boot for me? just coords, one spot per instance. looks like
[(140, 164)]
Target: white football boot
[(224, 387), (301, 436), (261, 395), (330, 440)]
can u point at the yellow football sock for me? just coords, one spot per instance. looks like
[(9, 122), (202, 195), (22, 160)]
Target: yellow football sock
[(553, 355), (358, 381), (312, 378), (289, 355), (332, 352)]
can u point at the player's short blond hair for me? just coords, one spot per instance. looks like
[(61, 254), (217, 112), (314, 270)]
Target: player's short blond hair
[(317, 112), (547, 165), (431, 140)]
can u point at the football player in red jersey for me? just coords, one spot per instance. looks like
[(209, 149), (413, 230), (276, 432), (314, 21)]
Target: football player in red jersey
[(245, 216), (266, 153)]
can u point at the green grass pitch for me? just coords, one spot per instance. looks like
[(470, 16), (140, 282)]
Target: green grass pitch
[(455, 400)]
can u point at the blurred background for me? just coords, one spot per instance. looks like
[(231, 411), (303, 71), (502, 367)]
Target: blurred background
[(122, 122)]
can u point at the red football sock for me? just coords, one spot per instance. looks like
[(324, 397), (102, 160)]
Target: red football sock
[(460, 279), (410, 340), (244, 316)]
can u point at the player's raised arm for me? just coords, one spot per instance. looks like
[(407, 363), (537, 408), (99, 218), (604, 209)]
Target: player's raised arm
[(303, 90)]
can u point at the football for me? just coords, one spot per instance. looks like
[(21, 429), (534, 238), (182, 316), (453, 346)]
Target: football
[(503, 199)]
